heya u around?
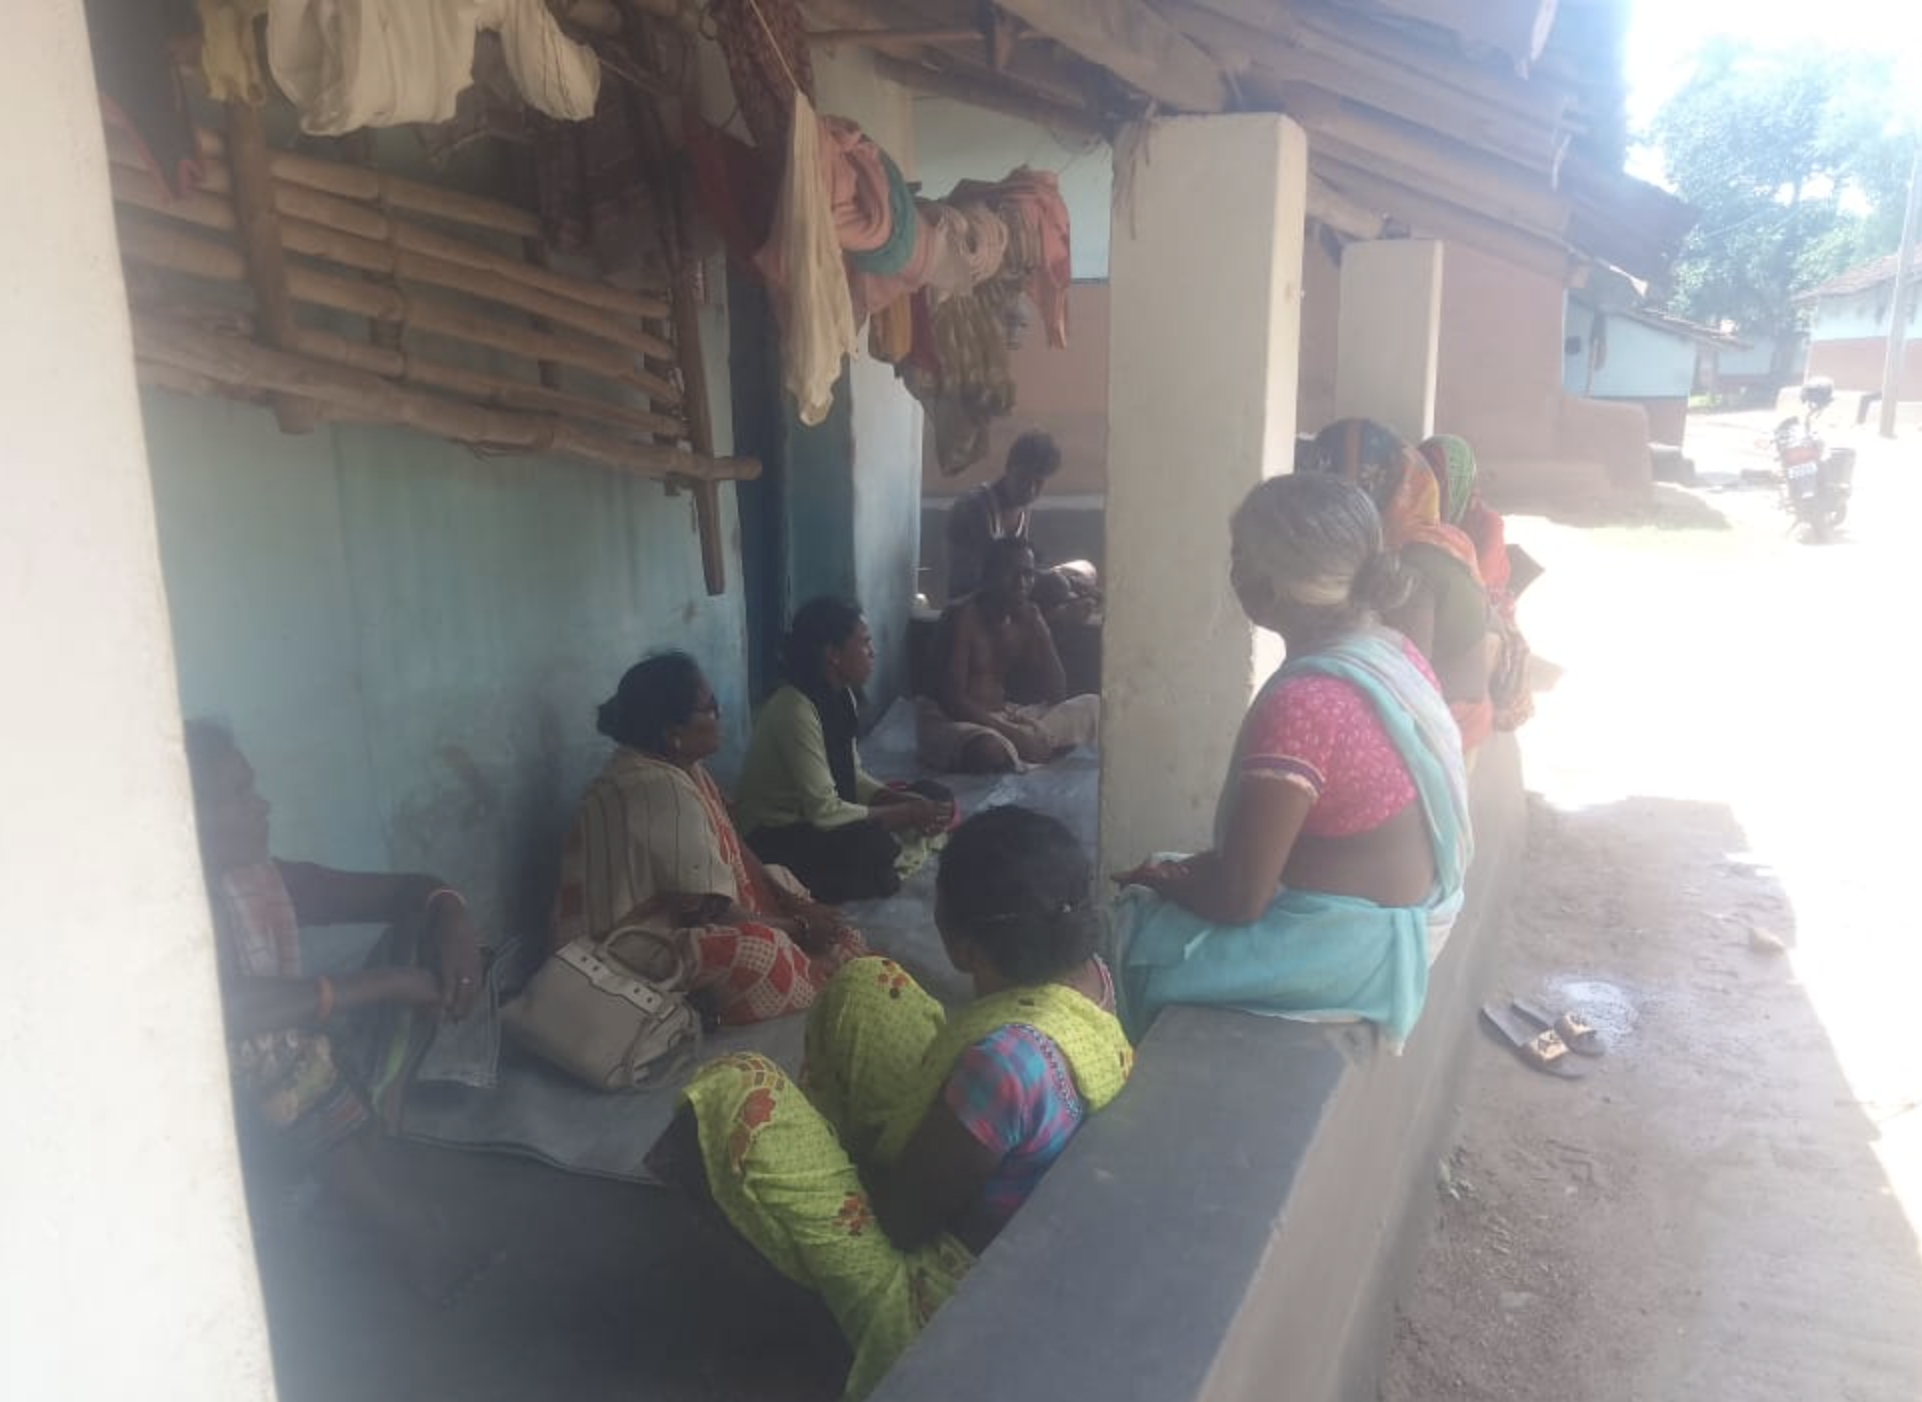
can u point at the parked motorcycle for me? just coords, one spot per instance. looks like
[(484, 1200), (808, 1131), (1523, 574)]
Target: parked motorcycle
[(1816, 480)]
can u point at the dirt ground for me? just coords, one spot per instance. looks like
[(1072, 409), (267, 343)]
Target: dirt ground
[(1718, 874)]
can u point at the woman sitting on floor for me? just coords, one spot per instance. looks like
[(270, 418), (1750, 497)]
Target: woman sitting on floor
[(804, 801), (1446, 613), (1453, 463), (320, 1061), (653, 840), (914, 1137), (1342, 833)]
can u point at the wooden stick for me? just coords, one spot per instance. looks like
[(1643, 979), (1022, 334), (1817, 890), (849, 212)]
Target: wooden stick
[(163, 376), (497, 391), (266, 267), (363, 398), (534, 253), (518, 394), (892, 38), (700, 424), (343, 215), (378, 187), (177, 251)]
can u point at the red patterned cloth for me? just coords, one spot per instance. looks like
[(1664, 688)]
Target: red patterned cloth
[(649, 828)]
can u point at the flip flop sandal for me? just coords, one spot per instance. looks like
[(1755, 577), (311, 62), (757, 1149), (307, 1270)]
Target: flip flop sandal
[(1577, 1034), (1538, 1050)]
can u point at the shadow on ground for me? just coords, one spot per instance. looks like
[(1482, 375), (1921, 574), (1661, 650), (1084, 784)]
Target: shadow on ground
[(1705, 1215), (1667, 507), (608, 1291)]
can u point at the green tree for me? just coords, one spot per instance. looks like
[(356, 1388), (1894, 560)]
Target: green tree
[(1793, 163)]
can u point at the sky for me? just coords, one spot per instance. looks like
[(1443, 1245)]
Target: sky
[(1664, 33)]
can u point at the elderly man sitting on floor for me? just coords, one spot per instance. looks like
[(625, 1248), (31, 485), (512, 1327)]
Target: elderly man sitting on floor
[(968, 725)]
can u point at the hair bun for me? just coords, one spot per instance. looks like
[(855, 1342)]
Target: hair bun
[(1381, 583)]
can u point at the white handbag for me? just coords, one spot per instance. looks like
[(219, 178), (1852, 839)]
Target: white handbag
[(611, 1011)]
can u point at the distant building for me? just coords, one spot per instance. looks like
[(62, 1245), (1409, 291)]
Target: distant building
[(1849, 329), (1630, 354)]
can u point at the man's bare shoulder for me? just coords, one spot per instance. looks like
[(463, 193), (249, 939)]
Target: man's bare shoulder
[(963, 613)]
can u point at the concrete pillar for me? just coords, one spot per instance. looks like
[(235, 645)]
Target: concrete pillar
[(129, 1267), (1388, 349), (1204, 362)]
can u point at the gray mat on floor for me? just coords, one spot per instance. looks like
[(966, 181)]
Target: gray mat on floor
[(539, 1113)]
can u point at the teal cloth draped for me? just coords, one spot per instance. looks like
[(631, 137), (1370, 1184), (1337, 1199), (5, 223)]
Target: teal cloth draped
[(903, 230), (1310, 954)]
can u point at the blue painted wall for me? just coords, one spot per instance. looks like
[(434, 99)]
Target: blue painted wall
[(410, 639)]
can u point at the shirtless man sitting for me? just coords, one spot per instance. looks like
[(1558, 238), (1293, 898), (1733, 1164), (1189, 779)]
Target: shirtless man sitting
[(968, 725)]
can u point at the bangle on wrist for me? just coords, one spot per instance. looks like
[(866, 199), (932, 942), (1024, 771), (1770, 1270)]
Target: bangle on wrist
[(438, 892), (323, 999)]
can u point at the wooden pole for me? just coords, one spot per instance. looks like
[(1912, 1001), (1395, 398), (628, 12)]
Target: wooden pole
[(362, 398), (266, 267), (1895, 351), (700, 425)]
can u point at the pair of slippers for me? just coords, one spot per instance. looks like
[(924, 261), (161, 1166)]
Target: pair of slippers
[(1556, 1045)]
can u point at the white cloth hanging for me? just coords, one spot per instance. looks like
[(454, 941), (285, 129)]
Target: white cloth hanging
[(348, 64), (803, 260)]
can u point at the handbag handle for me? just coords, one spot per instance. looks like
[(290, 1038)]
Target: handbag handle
[(677, 948)]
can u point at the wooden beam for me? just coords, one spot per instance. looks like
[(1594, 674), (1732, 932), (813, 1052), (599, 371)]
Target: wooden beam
[(1432, 163), (994, 96), (1134, 43), (174, 250), (340, 211), (1329, 206), (259, 226), (392, 258), (1430, 217), (891, 38), (1517, 28), (378, 187), (700, 425), (1273, 68), (357, 397)]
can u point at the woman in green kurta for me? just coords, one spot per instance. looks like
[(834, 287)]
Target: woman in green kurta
[(804, 802), (915, 1135)]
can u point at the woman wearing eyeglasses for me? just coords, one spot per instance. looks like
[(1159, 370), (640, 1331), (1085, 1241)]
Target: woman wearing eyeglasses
[(653, 839)]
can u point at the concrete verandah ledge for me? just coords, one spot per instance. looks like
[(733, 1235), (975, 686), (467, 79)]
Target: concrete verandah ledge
[(1236, 1224)]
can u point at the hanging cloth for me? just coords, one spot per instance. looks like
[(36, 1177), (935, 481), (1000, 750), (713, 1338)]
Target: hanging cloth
[(1036, 195), (802, 261), (891, 332), (602, 185), (133, 63), (903, 226), (348, 64), (765, 44), (229, 54)]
